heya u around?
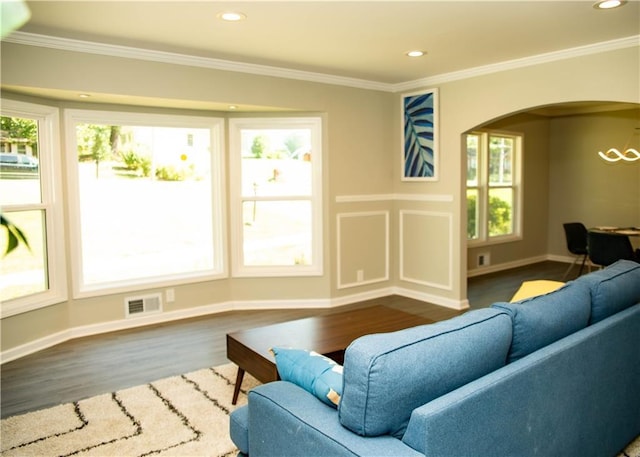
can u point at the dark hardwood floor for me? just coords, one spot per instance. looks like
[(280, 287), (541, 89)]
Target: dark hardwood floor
[(88, 366)]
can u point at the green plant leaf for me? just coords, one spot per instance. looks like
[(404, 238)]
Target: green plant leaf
[(14, 234)]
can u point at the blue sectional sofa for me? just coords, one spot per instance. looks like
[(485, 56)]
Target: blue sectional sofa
[(553, 375)]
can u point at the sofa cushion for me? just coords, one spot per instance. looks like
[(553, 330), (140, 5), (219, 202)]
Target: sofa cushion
[(313, 372), (388, 375), (239, 428), (613, 289), (541, 320)]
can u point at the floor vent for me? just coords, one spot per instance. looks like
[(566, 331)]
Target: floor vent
[(136, 306)]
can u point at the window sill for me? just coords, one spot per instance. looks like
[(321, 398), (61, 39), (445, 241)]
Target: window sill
[(31, 303), (494, 241)]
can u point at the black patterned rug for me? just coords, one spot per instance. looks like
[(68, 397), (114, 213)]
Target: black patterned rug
[(181, 415), (185, 415)]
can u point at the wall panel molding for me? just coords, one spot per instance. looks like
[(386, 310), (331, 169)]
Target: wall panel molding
[(364, 254), (445, 198), (416, 246)]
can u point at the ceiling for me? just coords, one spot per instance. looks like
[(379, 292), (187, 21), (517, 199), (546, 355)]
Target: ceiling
[(362, 41), (357, 39)]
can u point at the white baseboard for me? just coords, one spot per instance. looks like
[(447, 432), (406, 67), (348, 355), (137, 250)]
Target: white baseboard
[(560, 258), (508, 265), (124, 324), (435, 299), (159, 318), (34, 346), (364, 296)]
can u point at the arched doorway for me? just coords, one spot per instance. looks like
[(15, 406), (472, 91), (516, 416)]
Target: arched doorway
[(563, 180)]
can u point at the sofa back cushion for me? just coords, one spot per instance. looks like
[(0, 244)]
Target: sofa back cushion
[(613, 289), (539, 321), (388, 375)]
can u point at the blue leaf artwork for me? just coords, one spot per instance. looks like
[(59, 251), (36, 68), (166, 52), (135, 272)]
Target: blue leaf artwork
[(419, 135)]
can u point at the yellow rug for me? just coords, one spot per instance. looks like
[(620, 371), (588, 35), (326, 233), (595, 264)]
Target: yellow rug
[(530, 289)]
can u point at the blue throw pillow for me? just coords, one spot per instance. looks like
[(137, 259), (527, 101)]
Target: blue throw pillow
[(314, 372)]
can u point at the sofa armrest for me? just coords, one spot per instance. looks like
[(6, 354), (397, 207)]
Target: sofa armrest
[(576, 397), (284, 419)]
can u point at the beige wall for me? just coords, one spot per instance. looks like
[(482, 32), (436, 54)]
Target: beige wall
[(565, 180), (535, 188), (467, 103), (585, 188), (357, 140), (362, 147)]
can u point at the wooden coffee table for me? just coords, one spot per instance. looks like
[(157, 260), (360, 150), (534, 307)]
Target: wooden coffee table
[(328, 335)]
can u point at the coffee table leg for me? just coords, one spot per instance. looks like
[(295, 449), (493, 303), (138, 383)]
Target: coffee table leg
[(236, 389)]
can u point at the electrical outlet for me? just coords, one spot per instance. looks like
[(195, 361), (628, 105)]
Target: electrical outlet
[(360, 275), (170, 295), (484, 259)]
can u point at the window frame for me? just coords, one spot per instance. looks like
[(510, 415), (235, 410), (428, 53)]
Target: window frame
[(216, 125), (483, 187), (238, 268), (50, 169)]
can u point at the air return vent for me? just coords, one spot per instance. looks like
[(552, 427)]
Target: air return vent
[(148, 304)]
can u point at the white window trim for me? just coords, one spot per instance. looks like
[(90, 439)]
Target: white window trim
[(483, 190), (238, 269), (50, 178), (216, 125)]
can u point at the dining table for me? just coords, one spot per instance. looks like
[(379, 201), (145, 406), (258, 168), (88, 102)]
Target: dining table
[(632, 232)]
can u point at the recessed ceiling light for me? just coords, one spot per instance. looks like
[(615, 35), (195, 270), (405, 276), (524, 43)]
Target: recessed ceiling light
[(415, 53), (232, 16), (233, 107), (608, 4), (84, 95)]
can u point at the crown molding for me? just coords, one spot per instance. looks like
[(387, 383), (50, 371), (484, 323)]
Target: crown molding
[(90, 47), (569, 53), (67, 44)]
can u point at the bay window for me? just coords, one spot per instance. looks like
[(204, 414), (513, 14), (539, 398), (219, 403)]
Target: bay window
[(147, 199), (32, 270), (276, 192)]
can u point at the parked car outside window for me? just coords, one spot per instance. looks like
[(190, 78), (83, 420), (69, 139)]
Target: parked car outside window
[(18, 163)]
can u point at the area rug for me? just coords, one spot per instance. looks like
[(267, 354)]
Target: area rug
[(185, 415), (633, 450)]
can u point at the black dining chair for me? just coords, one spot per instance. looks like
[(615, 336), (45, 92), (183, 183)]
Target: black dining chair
[(607, 248), (576, 235)]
